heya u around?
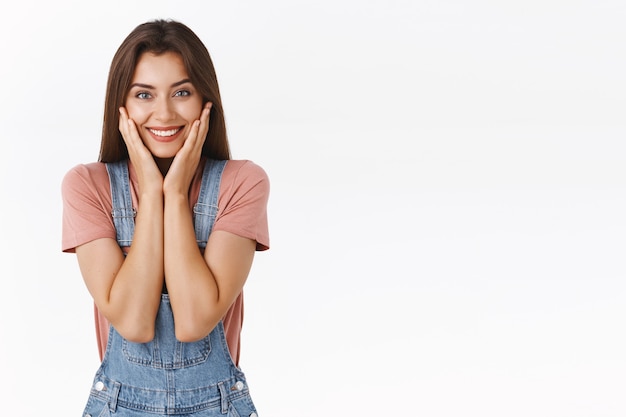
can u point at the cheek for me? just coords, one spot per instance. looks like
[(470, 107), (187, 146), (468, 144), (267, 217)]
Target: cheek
[(191, 111), (136, 113)]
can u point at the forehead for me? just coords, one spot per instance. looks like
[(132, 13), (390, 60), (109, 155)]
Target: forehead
[(155, 69)]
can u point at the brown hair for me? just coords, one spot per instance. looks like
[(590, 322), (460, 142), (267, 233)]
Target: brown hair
[(158, 37)]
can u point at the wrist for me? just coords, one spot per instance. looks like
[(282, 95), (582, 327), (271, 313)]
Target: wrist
[(175, 197)]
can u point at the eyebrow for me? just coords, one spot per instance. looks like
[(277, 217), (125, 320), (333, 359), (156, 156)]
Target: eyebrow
[(151, 87)]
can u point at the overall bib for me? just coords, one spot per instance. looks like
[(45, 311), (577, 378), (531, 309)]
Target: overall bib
[(165, 376)]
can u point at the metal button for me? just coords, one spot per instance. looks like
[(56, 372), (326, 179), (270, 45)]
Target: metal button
[(99, 386), (87, 415), (253, 414), (239, 385)]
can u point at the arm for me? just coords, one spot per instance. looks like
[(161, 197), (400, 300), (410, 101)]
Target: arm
[(127, 290), (201, 288)]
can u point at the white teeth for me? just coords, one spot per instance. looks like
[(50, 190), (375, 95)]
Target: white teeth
[(163, 133)]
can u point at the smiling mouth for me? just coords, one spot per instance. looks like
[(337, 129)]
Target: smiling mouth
[(164, 133)]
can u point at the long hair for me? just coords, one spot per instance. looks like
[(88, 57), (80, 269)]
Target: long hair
[(158, 37)]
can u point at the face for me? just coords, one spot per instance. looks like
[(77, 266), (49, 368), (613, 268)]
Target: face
[(163, 103)]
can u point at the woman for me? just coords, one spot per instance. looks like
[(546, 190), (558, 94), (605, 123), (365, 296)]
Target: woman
[(165, 227)]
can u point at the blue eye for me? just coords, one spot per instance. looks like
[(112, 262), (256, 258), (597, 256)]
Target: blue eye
[(182, 93), (143, 95)]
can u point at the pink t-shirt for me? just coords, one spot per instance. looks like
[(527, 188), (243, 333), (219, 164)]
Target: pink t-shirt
[(242, 210)]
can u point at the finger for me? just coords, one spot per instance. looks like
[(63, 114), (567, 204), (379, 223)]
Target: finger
[(125, 125), (203, 127), (199, 128), (208, 105), (205, 118), (123, 122), (193, 138), (132, 129), (128, 128)]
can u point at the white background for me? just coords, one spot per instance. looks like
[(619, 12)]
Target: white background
[(447, 213)]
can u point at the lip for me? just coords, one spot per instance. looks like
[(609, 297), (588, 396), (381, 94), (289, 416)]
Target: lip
[(164, 130)]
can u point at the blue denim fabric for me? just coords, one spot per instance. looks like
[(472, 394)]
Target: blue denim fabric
[(205, 209), (165, 376), (123, 211)]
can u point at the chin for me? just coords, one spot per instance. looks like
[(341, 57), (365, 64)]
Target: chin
[(159, 152)]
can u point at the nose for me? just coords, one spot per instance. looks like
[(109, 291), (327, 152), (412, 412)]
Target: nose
[(163, 110)]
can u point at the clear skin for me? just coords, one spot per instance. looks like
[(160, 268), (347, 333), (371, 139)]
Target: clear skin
[(127, 290)]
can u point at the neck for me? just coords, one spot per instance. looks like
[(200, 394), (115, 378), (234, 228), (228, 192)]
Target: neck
[(163, 164)]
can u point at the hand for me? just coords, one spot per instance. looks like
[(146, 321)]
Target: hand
[(148, 174), (185, 163)]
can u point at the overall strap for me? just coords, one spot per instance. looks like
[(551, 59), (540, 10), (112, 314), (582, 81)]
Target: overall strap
[(205, 210), (123, 212)]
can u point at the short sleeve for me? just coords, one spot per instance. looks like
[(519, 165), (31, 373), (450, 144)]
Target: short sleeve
[(244, 194), (86, 206)]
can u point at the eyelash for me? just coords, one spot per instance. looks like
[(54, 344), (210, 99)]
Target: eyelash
[(144, 95)]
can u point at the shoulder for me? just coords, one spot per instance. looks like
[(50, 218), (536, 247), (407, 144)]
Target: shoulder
[(86, 200), (91, 172), (84, 177), (243, 200), (241, 173), (243, 168)]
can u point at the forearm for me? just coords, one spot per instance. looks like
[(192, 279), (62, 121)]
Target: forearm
[(193, 290), (136, 291)]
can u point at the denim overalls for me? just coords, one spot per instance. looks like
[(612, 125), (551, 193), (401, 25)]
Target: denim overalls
[(165, 376)]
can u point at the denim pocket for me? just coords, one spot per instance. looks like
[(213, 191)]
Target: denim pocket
[(154, 355), (96, 407), (242, 407)]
